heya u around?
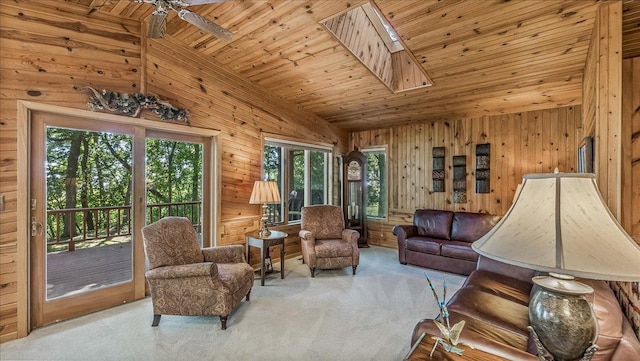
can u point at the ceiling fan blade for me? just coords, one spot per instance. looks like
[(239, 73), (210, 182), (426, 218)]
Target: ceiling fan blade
[(198, 2), (157, 25), (205, 24)]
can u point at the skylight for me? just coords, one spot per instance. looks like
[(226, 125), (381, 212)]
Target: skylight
[(387, 27), (382, 26), (370, 38)]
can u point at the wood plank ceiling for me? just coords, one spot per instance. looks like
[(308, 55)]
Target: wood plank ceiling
[(485, 57)]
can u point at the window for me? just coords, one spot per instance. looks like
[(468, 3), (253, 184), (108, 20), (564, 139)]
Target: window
[(376, 182), (302, 173)]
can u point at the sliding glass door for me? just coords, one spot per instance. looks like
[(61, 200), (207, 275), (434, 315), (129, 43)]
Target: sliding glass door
[(94, 185)]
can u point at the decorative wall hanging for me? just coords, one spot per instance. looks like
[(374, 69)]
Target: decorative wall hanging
[(438, 169), (132, 105), (460, 179), (482, 168)]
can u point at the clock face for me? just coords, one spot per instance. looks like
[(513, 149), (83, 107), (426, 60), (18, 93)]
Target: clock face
[(354, 171)]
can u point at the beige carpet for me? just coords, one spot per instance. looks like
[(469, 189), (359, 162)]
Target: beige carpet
[(334, 316)]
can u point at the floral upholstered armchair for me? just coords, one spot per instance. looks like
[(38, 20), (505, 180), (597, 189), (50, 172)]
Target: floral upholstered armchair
[(326, 244), (187, 280)]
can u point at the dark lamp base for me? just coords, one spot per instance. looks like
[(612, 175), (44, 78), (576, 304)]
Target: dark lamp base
[(561, 319), (588, 353)]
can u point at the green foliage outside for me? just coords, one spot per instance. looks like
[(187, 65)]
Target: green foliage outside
[(274, 158), (87, 169), (376, 184)]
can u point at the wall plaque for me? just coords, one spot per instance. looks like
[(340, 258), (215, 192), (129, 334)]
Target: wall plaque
[(483, 184), (460, 179), (438, 169)]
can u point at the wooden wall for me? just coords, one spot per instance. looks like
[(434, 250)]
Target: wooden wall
[(631, 131), (47, 55), (604, 82), (531, 142), (50, 50), (627, 292), (612, 89)]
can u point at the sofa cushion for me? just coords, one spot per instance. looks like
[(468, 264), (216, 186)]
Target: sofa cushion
[(500, 285), (492, 309), (459, 250), (469, 227), (433, 223), (424, 245)]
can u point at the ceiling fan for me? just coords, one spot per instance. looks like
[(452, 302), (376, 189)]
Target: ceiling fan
[(158, 20)]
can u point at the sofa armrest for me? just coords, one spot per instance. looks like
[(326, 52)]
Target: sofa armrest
[(206, 269), (224, 254), (519, 273), (404, 231), (628, 347)]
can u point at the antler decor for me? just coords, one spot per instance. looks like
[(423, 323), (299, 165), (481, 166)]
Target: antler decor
[(449, 335), (132, 105)]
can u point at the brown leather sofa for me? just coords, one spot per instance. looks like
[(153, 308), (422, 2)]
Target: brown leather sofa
[(442, 239), (494, 303)]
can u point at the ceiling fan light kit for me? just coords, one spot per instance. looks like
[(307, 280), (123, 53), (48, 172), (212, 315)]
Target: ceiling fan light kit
[(158, 20)]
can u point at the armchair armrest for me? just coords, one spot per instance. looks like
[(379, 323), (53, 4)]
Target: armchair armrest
[(207, 269), (307, 236), (224, 254), (350, 236), (404, 231)]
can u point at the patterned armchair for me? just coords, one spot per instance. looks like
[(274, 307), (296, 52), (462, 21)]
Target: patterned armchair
[(187, 280), (326, 244)]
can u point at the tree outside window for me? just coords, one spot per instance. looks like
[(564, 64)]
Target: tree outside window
[(376, 182), (302, 176)]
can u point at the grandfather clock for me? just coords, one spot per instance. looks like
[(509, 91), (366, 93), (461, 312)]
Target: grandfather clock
[(354, 198)]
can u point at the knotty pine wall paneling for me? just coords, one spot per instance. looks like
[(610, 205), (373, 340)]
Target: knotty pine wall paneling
[(521, 143), (613, 86), (602, 91), (627, 292), (51, 50)]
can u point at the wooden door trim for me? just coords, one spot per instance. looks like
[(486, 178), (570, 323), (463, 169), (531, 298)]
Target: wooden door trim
[(24, 114), (22, 235)]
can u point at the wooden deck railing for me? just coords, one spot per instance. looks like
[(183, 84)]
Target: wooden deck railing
[(97, 223)]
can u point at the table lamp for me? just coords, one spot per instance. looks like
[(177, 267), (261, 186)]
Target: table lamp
[(559, 224), (264, 192)]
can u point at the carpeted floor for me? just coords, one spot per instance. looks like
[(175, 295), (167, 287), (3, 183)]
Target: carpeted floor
[(334, 316)]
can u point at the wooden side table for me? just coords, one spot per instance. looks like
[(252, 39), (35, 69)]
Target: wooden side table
[(275, 238), (422, 348)]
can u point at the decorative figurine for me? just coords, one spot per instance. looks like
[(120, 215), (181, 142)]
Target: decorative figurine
[(449, 335)]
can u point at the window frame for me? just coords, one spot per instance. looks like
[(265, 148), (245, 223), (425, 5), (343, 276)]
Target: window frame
[(376, 149), (287, 148)]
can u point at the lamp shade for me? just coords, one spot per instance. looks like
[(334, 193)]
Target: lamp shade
[(265, 192), (559, 223)]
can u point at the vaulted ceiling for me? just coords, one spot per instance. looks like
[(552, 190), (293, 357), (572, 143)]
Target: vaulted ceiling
[(484, 56)]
